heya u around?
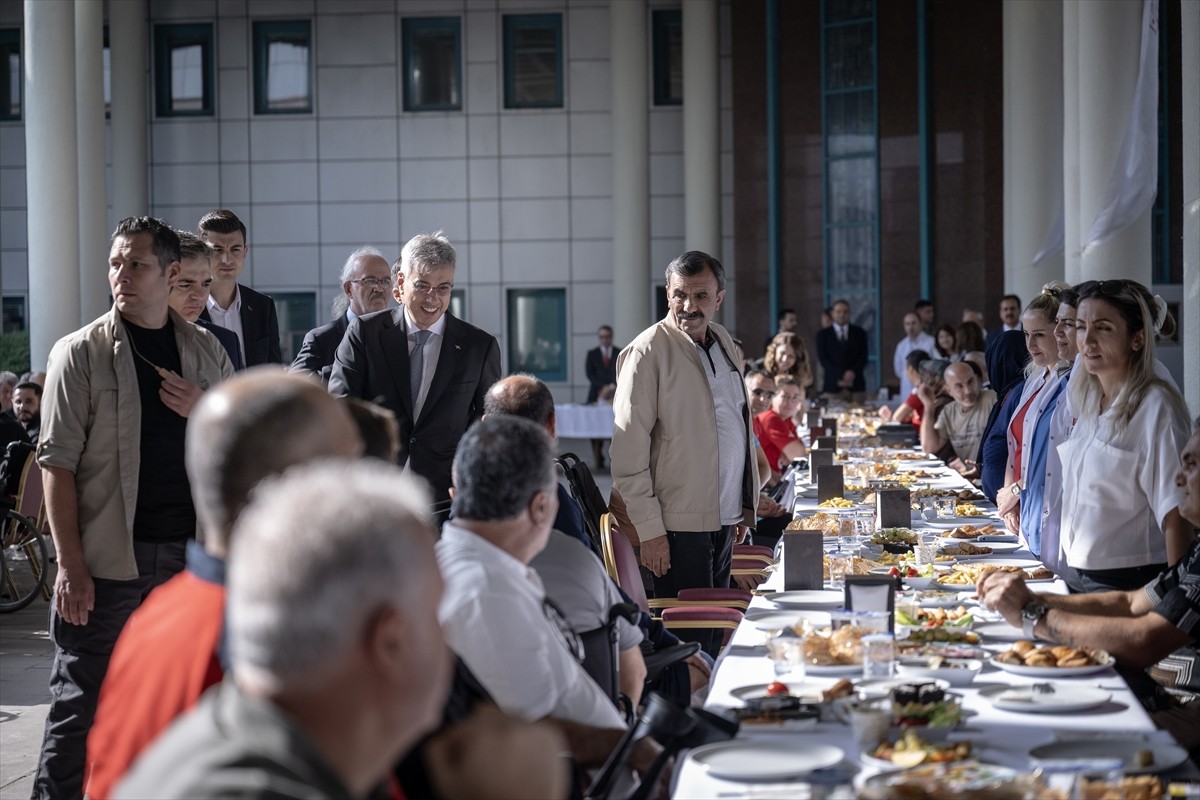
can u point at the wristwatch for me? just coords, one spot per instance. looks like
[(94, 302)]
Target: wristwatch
[(1016, 490), (1033, 611)]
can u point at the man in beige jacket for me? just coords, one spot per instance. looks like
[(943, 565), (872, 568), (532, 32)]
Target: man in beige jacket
[(681, 448)]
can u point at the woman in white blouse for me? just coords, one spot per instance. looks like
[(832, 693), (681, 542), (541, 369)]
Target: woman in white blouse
[(1120, 519)]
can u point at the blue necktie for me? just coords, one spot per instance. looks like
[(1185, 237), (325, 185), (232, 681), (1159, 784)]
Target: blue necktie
[(416, 365)]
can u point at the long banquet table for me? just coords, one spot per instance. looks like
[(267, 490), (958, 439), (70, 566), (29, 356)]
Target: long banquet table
[(998, 737)]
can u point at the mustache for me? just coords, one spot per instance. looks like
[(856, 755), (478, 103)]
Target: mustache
[(693, 315)]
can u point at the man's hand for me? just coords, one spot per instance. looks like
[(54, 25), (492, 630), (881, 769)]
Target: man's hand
[(925, 393), (769, 508), (698, 671), (1005, 592), (656, 556), (748, 582), (848, 378), (1006, 501), (74, 592), (741, 534), (179, 394), (645, 751), (885, 413)]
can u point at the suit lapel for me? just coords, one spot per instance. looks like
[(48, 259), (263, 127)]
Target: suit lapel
[(249, 318), (394, 343), (447, 361)]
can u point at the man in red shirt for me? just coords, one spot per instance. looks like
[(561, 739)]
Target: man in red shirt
[(250, 427), (780, 440)]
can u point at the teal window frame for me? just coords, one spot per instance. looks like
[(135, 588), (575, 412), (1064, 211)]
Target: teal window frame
[(663, 22), (10, 45), (555, 332), (265, 33), (411, 29), (168, 36), (297, 313), (513, 25), (859, 284)]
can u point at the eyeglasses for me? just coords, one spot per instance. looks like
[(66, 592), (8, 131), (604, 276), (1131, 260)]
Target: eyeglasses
[(559, 621), (373, 283), (442, 289), (762, 394)]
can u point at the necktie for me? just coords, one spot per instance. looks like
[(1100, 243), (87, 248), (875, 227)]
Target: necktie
[(416, 365)]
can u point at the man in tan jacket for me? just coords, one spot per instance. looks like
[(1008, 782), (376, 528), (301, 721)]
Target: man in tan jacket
[(681, 448)]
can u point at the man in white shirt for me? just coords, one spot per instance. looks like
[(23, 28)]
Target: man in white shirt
[(914, 339), (494, 611), (961, 423)]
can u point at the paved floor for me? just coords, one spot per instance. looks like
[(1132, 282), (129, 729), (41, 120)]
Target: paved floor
[(25, 656)]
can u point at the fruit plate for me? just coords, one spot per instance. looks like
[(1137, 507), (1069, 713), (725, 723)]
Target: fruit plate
[(1162, 756)]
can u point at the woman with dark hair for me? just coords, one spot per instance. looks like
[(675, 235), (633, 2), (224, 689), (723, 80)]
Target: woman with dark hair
[(969, 339), (1006, 357), (1120, 511), (945, 339)]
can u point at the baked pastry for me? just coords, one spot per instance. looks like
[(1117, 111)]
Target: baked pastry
[(1024, 646), (1010, 657)]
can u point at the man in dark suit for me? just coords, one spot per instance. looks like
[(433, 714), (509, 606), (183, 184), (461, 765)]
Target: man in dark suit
[(601, 367), (430, 369), (1010, 316), (842, 349), (366, 284), (189, 294), (249, 314)]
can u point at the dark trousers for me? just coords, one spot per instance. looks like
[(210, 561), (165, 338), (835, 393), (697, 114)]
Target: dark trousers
[(1124, 579), (81, 661), (698, 560)]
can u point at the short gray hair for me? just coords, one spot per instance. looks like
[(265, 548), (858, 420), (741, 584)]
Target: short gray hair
[(348, 267), (424, 253), (8, 377), (501, 463), (693, 263), (315, 555)]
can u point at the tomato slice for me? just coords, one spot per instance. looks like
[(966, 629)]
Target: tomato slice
[(777, 689)]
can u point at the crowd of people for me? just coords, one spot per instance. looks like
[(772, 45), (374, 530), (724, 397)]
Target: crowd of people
[(360, 577)]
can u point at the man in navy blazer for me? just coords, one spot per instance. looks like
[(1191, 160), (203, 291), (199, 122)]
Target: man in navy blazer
[(189, 294), (366, 284), (430, 369), (249, 314), (843, 351)]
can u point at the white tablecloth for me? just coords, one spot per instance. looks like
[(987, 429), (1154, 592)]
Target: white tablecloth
[(584, 422), (999, 737)]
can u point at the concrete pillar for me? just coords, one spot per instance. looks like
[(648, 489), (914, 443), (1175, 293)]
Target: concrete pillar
[(701, 128), (1033, 135), (1190, 311), (93, 195), (1072, 241), (127, 34), (1108, 36), (51, 175), (629, 43)]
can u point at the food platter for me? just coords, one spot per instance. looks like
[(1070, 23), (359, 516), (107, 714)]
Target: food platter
[(1053, 672)]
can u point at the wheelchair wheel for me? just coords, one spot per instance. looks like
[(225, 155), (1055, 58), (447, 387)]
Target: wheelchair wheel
[(23, 562)]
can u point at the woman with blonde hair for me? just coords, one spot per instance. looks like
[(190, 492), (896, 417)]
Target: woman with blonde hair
[(1120, 509), (787, 355)]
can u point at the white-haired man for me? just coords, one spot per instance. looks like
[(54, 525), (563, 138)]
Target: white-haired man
[(366, 288), (336, 673), (430, 369)]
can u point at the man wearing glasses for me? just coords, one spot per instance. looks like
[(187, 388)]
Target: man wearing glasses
[(430, 369), (366, 287)]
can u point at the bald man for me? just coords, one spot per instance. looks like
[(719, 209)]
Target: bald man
[(255, 425), (961, 423)]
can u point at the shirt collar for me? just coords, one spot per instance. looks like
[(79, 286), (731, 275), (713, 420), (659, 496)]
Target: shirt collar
[(350, 315), (236, 305), (486, 552), (204, 565), (437, 329)]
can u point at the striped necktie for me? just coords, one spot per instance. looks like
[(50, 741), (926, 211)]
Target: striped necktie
[(416, 365)]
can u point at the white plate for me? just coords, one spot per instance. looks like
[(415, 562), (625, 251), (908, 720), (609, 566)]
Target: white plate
[(968, 779), (756, 760), (811, 598), (1166, 756), (1000, 632), (778, 620), (1065, 698), (920, 463), (996, 547), (988, 538), (949, 523), (952, 600), (757, 691), (1051, 672), (831, 670), (871, 688)]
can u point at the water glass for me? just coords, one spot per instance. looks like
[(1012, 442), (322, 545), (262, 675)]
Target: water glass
[(869, 723), (786, 652), (840, 565), (945, 507), (879, 656)]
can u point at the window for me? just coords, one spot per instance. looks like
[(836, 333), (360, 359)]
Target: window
[(668, 57), (14, 314), (432, 64), (297, 316), (107, 76), (458, 304), (10, 73), (283, 67), (533, 61), (183, 70), (537, 332)]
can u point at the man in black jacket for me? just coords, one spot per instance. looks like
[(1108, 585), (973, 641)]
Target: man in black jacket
[(842, 350), (430, 369), (366, 286), (249, 314)]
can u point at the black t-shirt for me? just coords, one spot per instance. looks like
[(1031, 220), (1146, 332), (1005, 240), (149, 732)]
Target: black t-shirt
[(164, 505)]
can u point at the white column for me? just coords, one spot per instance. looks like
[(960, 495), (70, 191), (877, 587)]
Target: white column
[(127, 34), (1190, 311), (1033, 124), (630, 168), (93, 195), (1109, 43), (51, 178), (1073, 239), (701, 128)]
